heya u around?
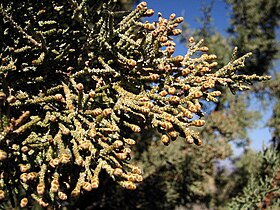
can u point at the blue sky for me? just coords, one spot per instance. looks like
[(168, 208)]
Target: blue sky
[(190, 10)]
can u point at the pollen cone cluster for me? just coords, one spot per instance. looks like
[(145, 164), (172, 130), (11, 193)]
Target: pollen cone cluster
[(77, 78)]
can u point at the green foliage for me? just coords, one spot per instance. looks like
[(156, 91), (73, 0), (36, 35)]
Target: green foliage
[(78, 79), (262, 189), (253, 26), (274, 122)]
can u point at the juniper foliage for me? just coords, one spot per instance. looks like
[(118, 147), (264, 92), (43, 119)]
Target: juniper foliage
[(78, 78)]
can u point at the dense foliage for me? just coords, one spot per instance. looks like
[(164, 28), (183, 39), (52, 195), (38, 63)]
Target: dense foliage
[(85, 86)]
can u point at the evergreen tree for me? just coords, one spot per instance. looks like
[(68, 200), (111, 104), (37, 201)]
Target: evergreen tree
[(83, 81), (253, 29)]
